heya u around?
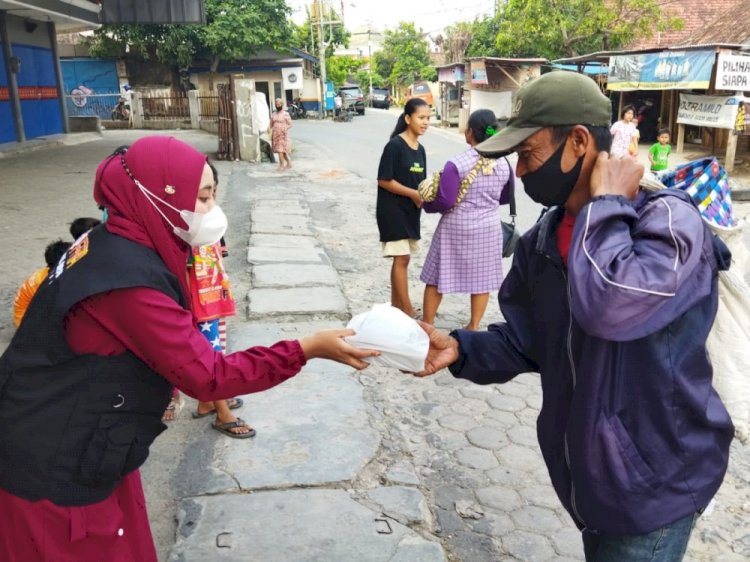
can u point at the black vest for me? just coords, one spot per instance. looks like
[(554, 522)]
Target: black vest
[(71, 426)]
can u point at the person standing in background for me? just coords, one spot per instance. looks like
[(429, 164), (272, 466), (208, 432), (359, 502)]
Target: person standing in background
[(623, 132), (465, 255), (402, 166), (281, 144)]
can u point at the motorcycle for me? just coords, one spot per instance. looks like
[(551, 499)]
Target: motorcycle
[(297, 110), (121, 112)]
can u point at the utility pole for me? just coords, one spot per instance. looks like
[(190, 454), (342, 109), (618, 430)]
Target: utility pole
[(322, 55), (369, 62)]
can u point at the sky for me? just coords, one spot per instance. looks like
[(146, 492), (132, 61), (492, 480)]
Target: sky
[(429, 15)]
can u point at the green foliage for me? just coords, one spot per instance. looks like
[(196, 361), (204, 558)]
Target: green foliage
[(383, 63), (234, 29), (363, 78), (339, 68), (483, 36), (405, 55), (428, 74), (239, 28), (560, 28)]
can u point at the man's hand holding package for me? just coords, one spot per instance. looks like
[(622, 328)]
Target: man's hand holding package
[(443, 350)]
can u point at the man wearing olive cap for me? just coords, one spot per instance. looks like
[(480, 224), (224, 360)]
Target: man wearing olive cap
[(610, 298)]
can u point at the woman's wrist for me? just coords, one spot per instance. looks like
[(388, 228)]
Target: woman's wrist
[(310, 346)]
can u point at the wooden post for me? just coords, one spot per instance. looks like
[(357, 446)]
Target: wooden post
[(680, 138), (731, 151)]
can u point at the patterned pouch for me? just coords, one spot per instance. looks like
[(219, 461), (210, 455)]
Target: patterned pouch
[(706, 182)]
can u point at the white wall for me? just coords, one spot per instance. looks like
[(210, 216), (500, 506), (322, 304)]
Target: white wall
[(499, 102)]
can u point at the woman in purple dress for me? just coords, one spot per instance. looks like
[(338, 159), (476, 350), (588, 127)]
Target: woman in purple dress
[(466, 251)]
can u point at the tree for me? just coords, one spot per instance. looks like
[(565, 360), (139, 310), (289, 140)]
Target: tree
[(483, 36), (456, 40), (565, 28), (405, 56), (234, 29), (339, 68), (363, 78)]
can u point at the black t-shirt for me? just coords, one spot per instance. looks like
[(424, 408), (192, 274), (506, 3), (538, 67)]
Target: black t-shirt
[(397, 216)]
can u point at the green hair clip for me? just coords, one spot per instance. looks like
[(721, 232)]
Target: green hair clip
[(490, 131)]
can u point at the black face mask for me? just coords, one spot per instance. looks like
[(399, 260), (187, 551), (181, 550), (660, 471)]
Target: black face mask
[(549, 185)]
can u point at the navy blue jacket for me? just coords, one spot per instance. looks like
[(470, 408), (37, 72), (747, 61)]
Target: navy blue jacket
[(633, 434)]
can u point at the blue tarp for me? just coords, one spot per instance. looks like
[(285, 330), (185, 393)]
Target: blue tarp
[(591, 68)]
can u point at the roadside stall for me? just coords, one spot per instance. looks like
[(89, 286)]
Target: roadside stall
[(493, 81), (685, 89), (451, 78)]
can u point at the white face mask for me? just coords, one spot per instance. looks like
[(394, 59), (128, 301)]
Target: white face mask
[(204, 229)]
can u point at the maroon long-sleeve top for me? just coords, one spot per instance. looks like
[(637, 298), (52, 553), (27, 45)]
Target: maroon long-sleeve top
[(162, 334)]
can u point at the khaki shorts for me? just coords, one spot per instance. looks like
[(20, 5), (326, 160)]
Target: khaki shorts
[(400, 247)]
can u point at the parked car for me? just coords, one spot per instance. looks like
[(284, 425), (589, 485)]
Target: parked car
[(352, 96), (381, 98)]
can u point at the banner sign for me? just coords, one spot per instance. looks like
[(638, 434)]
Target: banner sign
[(478, 72), (733, 73), (709, 111), (666, 70), (292, 78)]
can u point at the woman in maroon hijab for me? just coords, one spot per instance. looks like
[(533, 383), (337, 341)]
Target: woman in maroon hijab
[(86, 378)]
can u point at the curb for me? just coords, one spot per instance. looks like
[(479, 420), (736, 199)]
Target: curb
[(11, 149)]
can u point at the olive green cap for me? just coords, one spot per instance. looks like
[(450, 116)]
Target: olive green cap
[(558, 98)]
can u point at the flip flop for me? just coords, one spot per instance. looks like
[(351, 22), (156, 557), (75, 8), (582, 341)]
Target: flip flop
[(226, 427), (174, 406), (233, 404)]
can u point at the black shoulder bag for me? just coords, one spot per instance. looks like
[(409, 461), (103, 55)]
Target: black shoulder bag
[(510, 233)]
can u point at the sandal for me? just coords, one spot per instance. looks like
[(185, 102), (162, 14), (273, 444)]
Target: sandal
[(232, 403), (226, 429), (172, 409)]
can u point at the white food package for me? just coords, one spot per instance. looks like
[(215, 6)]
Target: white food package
[(402, 342)]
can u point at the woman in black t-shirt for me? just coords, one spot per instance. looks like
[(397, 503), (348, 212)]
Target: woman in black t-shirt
[(402, 167)]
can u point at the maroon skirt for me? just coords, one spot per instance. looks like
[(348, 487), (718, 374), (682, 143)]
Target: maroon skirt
[(115, 529)]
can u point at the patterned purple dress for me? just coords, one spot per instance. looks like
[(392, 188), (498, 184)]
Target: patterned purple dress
[(466, 251)]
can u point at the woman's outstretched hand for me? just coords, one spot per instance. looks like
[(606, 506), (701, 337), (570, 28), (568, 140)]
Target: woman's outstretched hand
[(443, 350), (330, 344)]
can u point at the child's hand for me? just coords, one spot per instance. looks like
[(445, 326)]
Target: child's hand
[(330, 344)]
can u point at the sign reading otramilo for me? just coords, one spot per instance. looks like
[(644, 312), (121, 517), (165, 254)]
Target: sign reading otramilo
[(733, 72), (709, 111)]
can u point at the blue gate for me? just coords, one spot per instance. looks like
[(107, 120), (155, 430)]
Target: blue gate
[(37, 90)]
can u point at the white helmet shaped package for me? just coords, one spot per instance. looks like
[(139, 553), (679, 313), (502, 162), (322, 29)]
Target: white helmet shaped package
[(403, 344)]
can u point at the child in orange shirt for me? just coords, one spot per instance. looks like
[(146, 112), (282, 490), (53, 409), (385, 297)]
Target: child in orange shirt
[(52, 254)]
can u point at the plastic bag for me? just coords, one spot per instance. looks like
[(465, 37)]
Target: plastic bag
[(727, 341), (402, 342), (706, 182)]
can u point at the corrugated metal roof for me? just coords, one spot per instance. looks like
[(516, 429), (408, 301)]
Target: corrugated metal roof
[(509, 60), (451, 65), (304, 55), (604, 55)]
